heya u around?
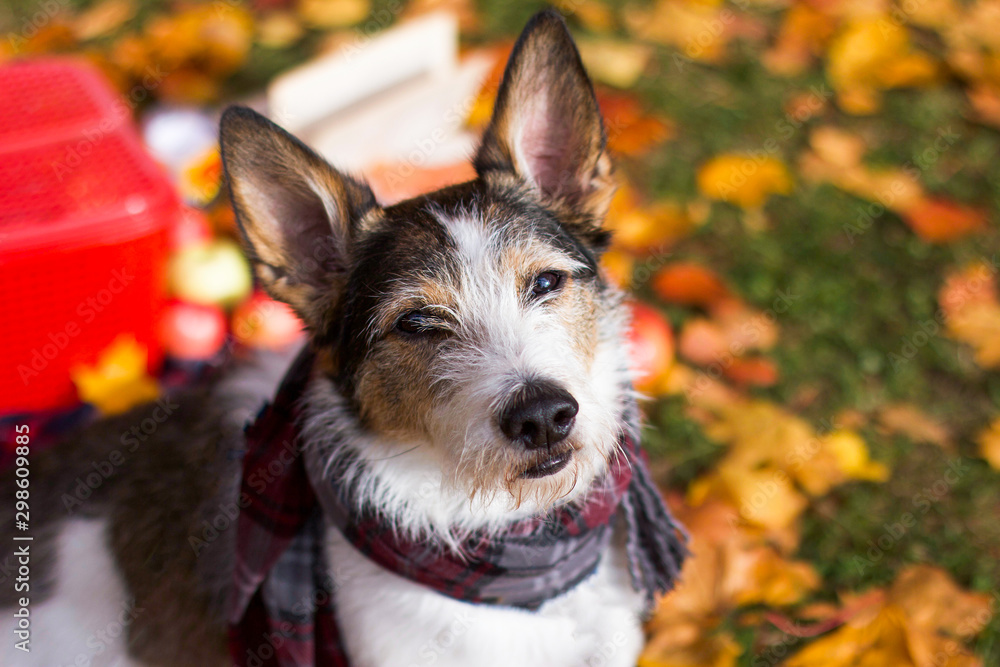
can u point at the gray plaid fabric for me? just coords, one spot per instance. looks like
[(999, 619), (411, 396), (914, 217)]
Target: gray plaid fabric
[(534, 559)]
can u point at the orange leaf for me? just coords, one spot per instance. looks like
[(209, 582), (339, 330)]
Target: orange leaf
[(630, 131), (935, 603), (638, 137), (703, 342), (804, 32), (974, 284), (756, 371), (914, 424), (689, 284), (941, 220), (745, 328), (969, 302)]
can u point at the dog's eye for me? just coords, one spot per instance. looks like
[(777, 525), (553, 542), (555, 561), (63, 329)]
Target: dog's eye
[(546, 282), (415, 322)]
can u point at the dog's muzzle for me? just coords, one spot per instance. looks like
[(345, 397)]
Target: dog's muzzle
[(538, 417)]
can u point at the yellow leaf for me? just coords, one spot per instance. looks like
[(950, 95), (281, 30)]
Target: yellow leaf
[(837, 147), (969, 300), (333, 13), (978, 324), (102, 18), (649, 230), (973, 283), (863, 45), (989, 444), (765, 496), (618, 266), (833, 459), (697, 30), (593, 14), (935, 14), (279, 30), (872, 53), (922, 621), (777, 581), (118, 381), (203, 40), (915, 69), (770, 451), (226, 36), (915, 424), (482, 109), (851, 455), (744, 180), (878, 643), (614, 62)]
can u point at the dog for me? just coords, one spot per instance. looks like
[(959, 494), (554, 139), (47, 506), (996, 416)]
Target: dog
[(465, 355)]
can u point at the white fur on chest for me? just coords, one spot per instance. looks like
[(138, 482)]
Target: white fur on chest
[(86, 619), (389, 621)]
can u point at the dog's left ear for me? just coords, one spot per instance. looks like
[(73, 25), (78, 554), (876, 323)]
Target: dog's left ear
[(546, 126)]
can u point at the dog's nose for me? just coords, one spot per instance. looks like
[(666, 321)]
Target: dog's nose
[(540, 414)]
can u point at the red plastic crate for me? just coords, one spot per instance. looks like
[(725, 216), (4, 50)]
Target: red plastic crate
[(43, 101), (84, 214)]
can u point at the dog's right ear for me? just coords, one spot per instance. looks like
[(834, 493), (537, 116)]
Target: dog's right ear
[(295, 212), (547, 129)]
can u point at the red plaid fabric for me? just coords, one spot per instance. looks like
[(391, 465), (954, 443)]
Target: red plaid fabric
[(282, 612), (281, 605)]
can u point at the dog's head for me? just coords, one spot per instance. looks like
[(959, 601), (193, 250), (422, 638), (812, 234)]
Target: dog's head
[(471, 323)]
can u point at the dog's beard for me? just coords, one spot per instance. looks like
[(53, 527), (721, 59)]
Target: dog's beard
[(473, 384), (479, 461)]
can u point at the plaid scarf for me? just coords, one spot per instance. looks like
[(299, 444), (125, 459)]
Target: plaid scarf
[(282, 612)]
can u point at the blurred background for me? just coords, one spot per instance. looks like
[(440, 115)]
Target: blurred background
[(806, 219)]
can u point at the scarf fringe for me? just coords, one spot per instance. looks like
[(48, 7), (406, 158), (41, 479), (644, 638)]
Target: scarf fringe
[(656, 544)]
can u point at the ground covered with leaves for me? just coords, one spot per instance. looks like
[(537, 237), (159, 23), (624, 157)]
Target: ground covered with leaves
[(808, 218)]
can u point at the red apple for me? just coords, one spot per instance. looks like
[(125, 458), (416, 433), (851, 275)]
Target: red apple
[(191, 331), (261, 321), (190, 228), (652, 348)]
